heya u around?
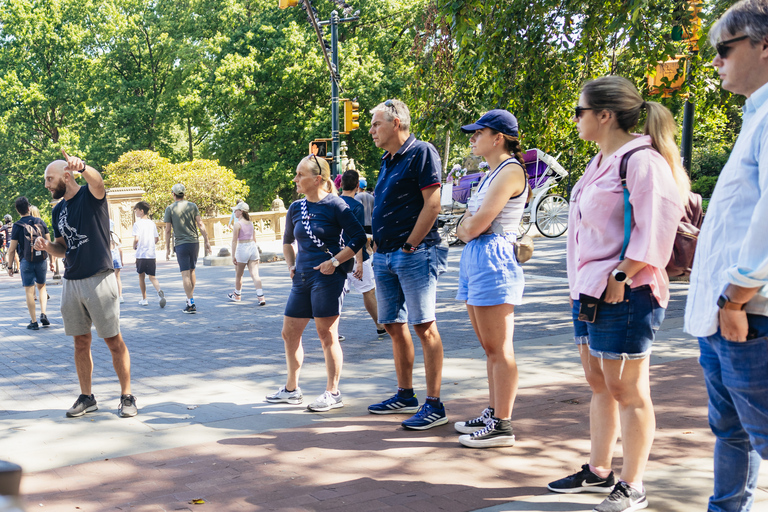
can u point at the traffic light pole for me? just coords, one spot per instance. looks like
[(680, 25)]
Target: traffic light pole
[(336, 165), (686, 144)]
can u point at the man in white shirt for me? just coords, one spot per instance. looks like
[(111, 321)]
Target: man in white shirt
[(145, 236), (727, 305)]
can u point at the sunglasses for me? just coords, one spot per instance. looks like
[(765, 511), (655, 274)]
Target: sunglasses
[(723, 49), (580, 110), (319, 169)]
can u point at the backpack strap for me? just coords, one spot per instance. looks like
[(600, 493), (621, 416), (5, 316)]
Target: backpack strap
[(627, 204)]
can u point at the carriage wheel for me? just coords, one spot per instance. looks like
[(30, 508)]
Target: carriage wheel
[(552, 216), (525, 224), (448, 233)]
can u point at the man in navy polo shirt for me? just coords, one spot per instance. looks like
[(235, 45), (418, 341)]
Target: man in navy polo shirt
[(408, 259)]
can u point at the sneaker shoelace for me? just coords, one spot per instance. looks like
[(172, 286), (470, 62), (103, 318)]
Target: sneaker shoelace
[(620, 491), (489, 426)]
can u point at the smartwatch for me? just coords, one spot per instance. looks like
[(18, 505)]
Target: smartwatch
[(621, 276), (723, 302), (334, 261), (408, 247)]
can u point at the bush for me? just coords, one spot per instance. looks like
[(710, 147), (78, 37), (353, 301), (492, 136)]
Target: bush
[(211, 187), (708, 164), (704, 185)]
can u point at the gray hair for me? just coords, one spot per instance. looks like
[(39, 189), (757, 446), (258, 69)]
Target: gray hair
[(395, 109), (747, 16)]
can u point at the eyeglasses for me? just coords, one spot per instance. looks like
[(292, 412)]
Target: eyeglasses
[(319, 169), (580, 110), (723, 49)]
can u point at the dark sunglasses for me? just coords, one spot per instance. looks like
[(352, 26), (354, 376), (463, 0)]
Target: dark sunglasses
[(580, 110), (723, 49)]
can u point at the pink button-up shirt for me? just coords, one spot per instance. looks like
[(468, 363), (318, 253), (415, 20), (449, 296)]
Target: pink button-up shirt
[(596, 221)]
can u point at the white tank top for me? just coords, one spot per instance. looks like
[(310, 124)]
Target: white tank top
[(508, 219)]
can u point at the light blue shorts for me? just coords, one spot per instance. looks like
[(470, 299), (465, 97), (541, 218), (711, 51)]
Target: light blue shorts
[(489, 273), (406, 284)]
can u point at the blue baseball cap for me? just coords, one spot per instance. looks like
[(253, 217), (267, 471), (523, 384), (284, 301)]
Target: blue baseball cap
[(497, 119), (363, 183)]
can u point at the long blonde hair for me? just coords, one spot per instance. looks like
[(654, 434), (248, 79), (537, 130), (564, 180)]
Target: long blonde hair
[(621, 97), (323, 170)]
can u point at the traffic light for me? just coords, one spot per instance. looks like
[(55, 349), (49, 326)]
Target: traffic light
[(351, 116), (320, 148), (284, 4)]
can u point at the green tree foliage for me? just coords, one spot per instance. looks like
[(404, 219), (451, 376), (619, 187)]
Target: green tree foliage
[(213, 188)]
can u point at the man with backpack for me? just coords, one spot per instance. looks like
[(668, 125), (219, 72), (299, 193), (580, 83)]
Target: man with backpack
[(32, 262)]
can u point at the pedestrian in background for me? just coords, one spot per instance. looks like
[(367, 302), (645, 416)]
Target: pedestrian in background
[(145, 238), (490, 278), (366, 199), (245, 253), (31, 262), (316, 223), (617, 278), (117, 259), (727, 305)]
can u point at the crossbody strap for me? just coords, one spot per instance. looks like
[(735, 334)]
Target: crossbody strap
[(627, 204)]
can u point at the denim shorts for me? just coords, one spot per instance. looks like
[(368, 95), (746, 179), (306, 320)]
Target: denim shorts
[(406, 284), (621, 331), (186, 255), (32, 273), (315, 294), (489, 274)]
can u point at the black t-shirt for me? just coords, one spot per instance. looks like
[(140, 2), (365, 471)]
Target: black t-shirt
[(359, 211), (83, 222), (25, 231)]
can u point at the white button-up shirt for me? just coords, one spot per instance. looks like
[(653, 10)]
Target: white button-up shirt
[(733, 243)]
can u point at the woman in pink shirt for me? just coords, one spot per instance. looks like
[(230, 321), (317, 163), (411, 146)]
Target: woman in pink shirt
[(620, 293), (245, 252)]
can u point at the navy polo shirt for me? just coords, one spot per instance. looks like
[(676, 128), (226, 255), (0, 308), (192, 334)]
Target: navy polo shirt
[(398, 198)]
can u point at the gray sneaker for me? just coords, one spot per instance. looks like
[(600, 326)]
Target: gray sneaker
[(326, 402), (623, 498), (286, 397), (127, 407), (161, 298), (83, 404)]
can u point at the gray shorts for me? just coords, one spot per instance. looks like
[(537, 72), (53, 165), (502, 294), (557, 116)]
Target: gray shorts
[(91, 301)]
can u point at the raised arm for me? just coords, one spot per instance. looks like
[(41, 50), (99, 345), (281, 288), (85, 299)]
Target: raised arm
[(91, 175)]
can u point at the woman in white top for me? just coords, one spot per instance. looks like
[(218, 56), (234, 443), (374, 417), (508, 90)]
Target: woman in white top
[(245, 252), (490, 278)]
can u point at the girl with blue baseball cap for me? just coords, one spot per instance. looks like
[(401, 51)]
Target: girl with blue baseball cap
[(490, 278)]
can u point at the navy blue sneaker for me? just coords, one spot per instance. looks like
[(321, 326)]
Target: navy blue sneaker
[(428, 416), (396, 405)]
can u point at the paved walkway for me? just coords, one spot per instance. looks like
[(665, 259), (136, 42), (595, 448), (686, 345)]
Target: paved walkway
[(204, 432)]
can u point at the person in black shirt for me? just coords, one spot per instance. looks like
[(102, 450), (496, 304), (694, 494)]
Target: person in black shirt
[(33, 262), (89, 294)]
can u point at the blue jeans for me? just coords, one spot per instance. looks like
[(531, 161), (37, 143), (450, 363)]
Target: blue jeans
[(736, 375), (32, 273), (408, 279)]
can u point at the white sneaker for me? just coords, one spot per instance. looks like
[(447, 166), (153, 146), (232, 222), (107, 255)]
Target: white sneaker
[(161, 298), (143, 302), (286, 397), (326, 402), (121, 299)]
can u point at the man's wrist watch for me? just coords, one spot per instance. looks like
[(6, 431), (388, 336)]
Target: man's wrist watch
[(407, 247), (621, 276), (334, 261), (723, 302)]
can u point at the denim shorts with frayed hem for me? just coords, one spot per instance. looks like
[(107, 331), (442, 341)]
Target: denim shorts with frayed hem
[(406, 284), (32, 273), (621, 331)]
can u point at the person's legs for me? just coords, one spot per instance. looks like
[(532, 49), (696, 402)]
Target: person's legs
[(604, 425), (30, 297), (143, 285), (84, 362), (403, 353), (294, 351), (119, 282), (121, 360), (369, 300), (328, 332), (432, 346), (631, 389), (253, 269), (494, 326), (155, 283), (43, 298), (188, 280)]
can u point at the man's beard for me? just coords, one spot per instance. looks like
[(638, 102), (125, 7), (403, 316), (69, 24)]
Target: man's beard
[(59, 191)]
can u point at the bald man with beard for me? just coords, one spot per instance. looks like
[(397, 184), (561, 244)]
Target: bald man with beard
[(89, 293)]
